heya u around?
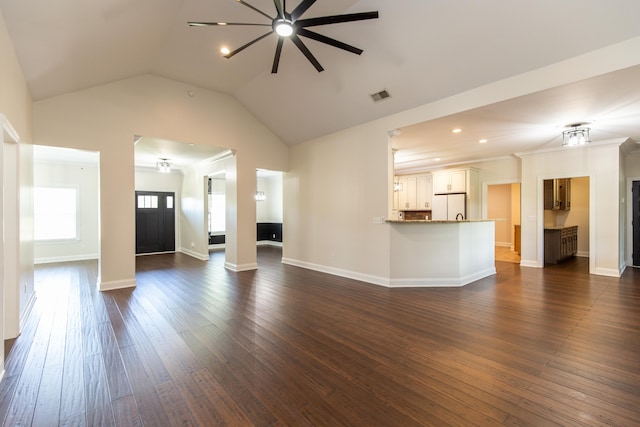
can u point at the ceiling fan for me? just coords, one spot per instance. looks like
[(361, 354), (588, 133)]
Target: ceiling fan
[(290, 26)]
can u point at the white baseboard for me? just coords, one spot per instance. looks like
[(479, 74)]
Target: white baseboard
[(504, 244), (376, 280), (442, 282), (610, 272), (50, 260), (24, 316), (392, 283), (194, 254), (269, 243), (240, 267), (530, 263), (116, 284)]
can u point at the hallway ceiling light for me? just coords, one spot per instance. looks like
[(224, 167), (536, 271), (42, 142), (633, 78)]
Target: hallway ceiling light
[(163, 166), (577, 135)]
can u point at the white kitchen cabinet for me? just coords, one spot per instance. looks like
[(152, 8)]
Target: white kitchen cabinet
[(414, 192), (454, 181), (424, 192)]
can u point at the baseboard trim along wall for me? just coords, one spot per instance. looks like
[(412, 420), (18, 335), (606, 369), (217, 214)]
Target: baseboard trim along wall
[(394, 283), (240, 267), (380, 281), (27, 310), (69, 258), (194, 254), (116, 284), (442, 282), (611, 272)]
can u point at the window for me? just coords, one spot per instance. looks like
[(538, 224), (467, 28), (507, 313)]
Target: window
[(217, 212), (147, 202), (55, 213)]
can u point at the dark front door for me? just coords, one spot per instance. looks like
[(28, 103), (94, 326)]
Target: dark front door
[(155, 222), (635, 188)]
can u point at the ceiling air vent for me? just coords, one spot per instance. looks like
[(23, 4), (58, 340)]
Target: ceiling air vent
[(379, 96)]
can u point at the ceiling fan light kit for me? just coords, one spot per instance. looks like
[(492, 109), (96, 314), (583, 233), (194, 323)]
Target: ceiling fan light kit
[(290, 26)]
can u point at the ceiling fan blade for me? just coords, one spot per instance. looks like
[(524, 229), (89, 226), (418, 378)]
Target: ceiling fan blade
[(279, 8), (301, 8), (223, 24), (328, 40), (254, 9), (336, 19), (241, 48), (296, 40), (276, 58)]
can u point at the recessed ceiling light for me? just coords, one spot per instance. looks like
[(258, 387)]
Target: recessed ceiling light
[(437, 159), (482, 141), (225, 51), (456, 130)]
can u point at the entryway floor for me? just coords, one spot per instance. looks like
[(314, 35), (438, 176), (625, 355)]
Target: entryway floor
[(505, 254)]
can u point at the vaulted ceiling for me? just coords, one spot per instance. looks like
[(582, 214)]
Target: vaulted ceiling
[(420, 51)]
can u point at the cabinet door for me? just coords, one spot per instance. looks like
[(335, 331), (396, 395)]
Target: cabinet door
[(441, 182), (411, 193), (424, 190), (458, 182), (402, 194), (396, 193)]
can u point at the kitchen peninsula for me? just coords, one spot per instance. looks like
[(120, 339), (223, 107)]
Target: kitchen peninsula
[(441, 253)]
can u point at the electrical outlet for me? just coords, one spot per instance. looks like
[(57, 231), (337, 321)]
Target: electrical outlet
[(378, 220), (193, 245)]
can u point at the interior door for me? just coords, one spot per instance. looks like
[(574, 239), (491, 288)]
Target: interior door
[(155, 222), (635, 188)]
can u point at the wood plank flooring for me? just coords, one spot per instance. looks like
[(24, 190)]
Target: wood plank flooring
[(195, 344)]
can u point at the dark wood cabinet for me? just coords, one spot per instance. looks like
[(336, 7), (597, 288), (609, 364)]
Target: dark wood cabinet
[(560, 243), (557, 194), (269, 231)]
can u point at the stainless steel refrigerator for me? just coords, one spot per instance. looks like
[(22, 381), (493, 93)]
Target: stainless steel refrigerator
[(449, 207)]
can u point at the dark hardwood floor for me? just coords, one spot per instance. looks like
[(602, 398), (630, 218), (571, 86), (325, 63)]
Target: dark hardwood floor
[(195, 344)]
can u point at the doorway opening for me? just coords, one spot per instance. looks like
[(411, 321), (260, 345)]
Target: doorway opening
[(635, 212), (66, 200), (155, 222), (503, 205), (269, 207), (566, 219), (216, 211)]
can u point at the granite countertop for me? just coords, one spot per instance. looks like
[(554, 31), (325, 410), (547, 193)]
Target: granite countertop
[(559, 227), (428, 221)]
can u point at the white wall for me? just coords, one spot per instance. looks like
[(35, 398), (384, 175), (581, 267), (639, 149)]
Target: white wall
[(335, 187), (193, 214), (270, 210), (106, 118), (16, 111), (84, 177)]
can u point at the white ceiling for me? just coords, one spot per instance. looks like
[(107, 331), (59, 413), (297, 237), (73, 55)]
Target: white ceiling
[(148, 151), (419, 50)]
